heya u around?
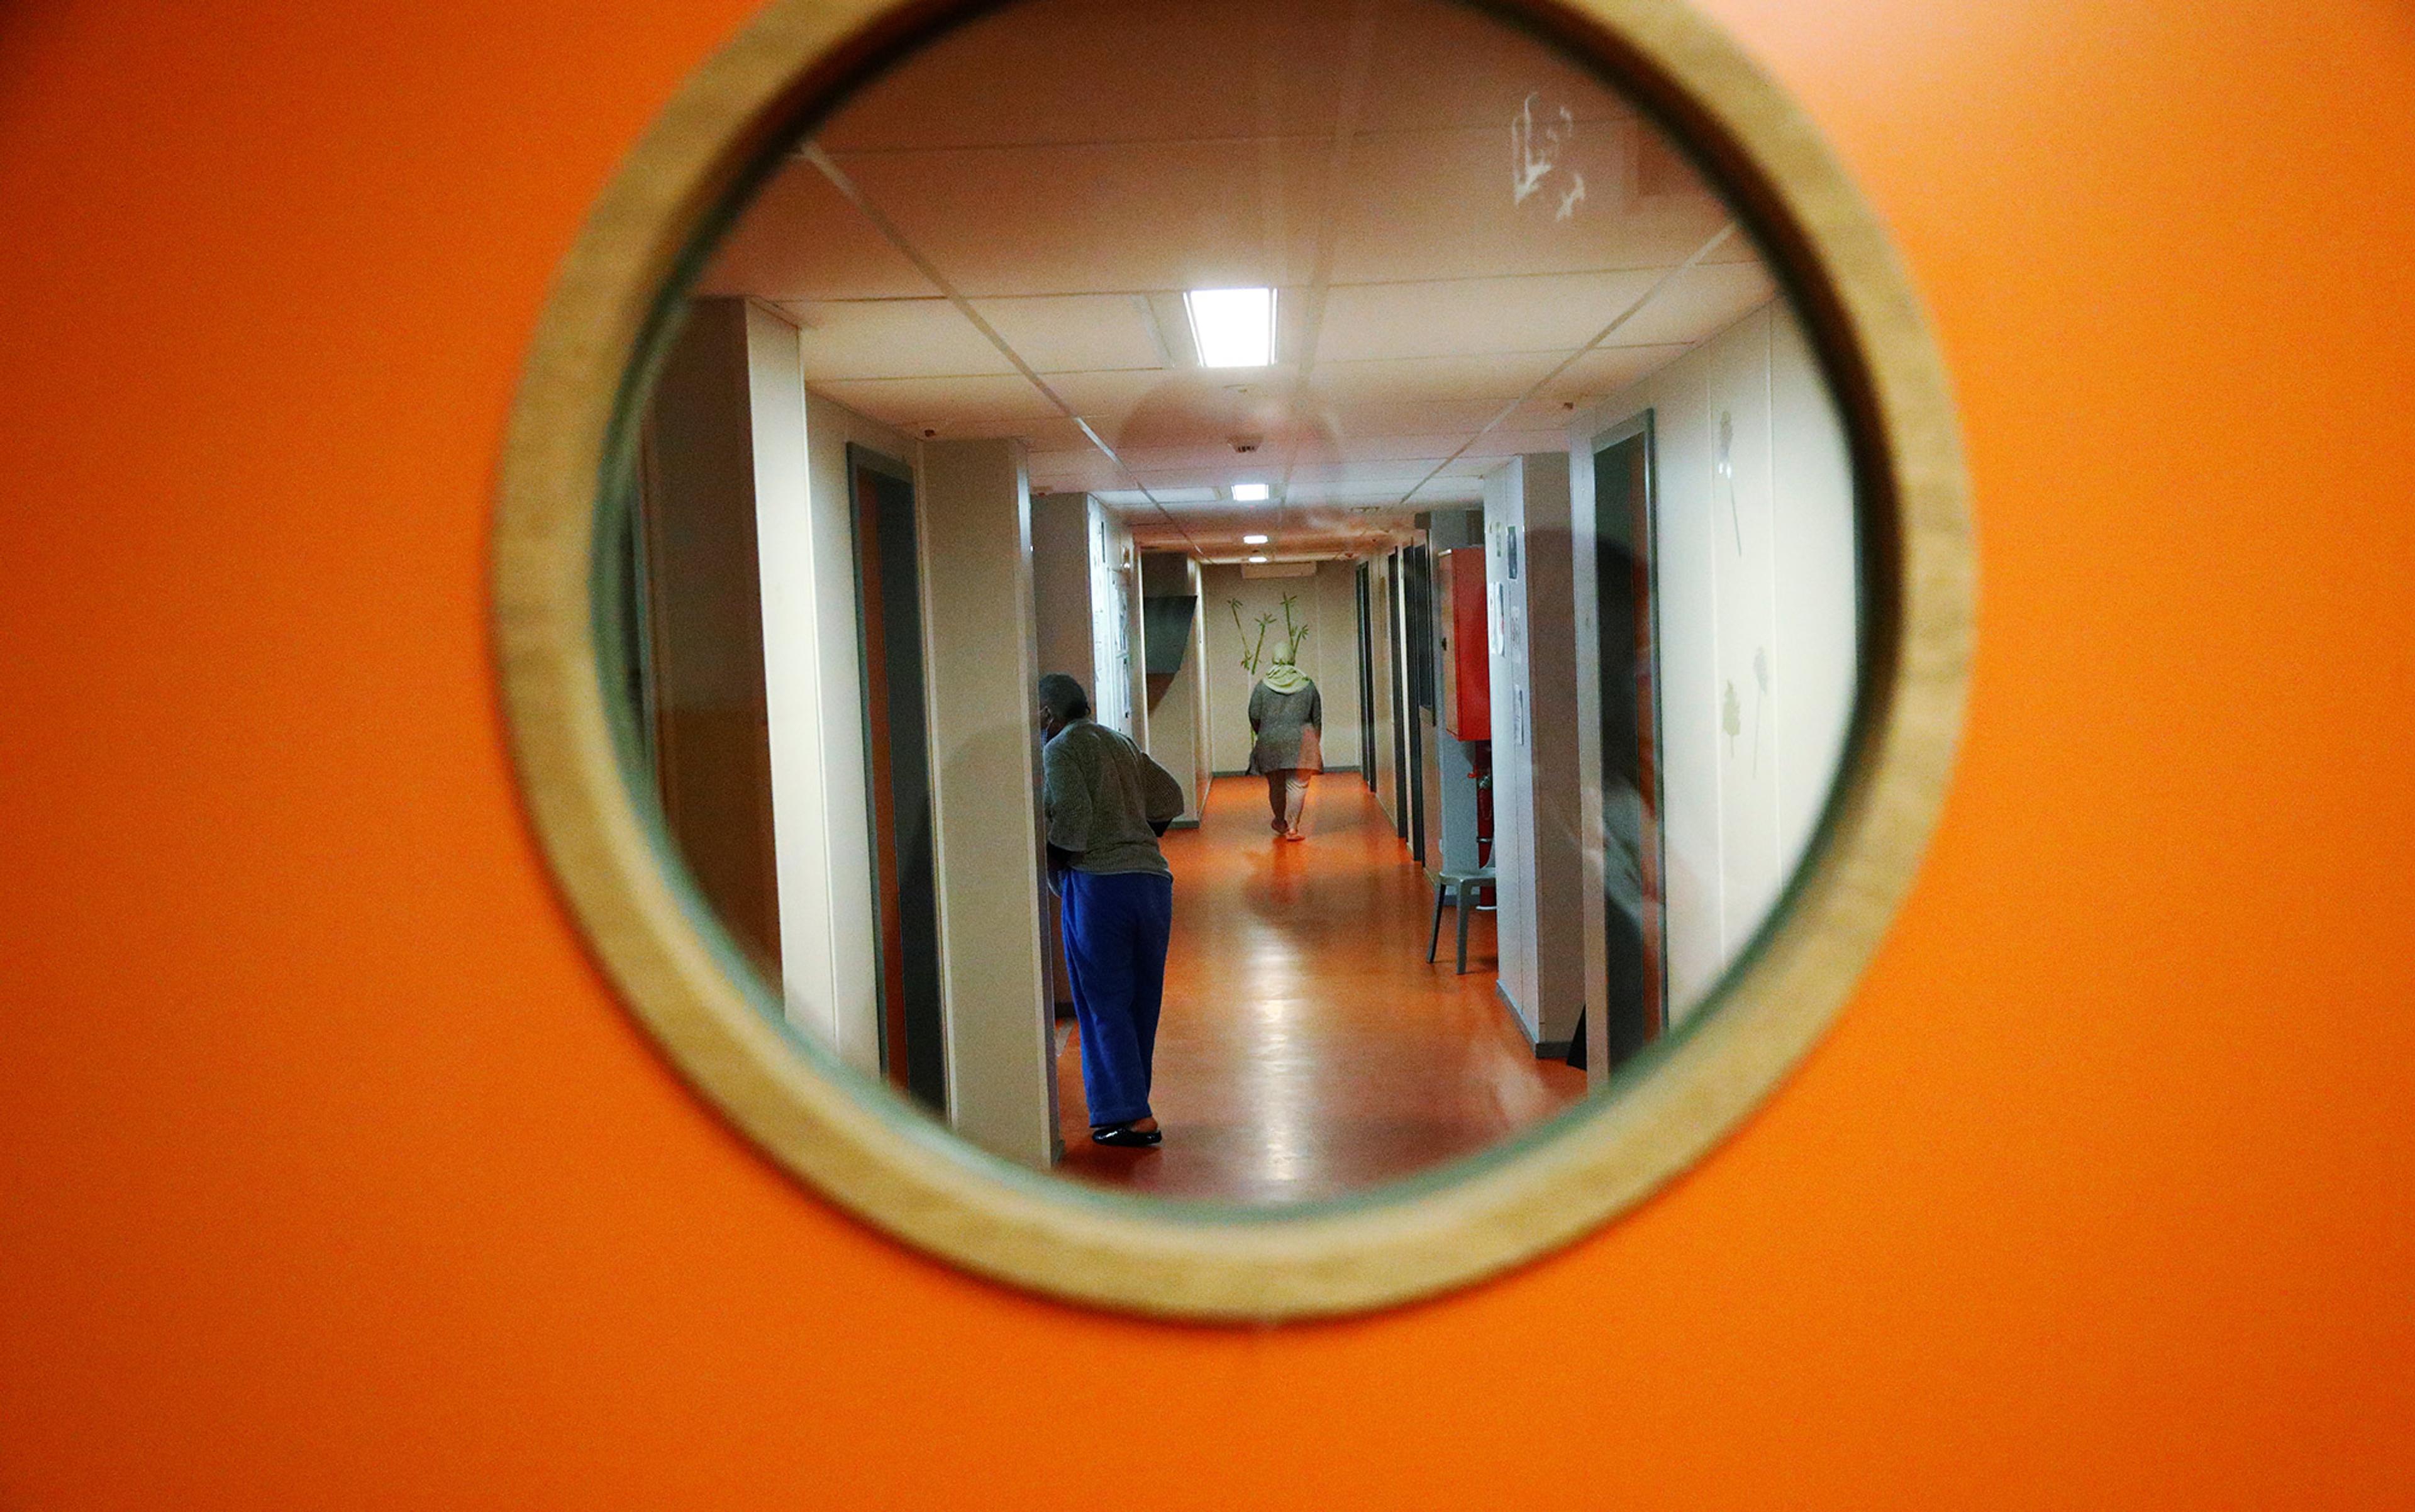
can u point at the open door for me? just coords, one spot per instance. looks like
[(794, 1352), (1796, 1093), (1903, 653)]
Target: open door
[(687, 625), (897, 772), (1634, 882)]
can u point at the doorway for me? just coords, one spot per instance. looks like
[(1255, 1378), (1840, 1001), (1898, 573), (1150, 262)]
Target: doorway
[(1418, 648), (1634, 880), (1362, 581), (1396, 669), (897, 776)]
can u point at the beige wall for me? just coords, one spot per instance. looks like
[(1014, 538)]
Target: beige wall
[(755, 558), (1177, 721), (1327, 604), (846, 971), (1060, 584), (712, 747), (1337, 624), (776, 394), (975, 513), (1086, 586), (764, 710)]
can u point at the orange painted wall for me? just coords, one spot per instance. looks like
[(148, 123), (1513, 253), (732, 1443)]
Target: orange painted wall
[(333, 1178)]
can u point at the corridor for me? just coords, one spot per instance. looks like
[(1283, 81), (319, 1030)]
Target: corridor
[(1307, 1048)]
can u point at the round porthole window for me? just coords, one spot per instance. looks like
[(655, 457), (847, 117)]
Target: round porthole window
[(1233, 661)]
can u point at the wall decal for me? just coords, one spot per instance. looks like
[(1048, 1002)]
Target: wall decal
[(1254, 653)]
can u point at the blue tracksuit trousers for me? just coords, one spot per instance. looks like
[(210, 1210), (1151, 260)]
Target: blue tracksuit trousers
[(1116, 926)]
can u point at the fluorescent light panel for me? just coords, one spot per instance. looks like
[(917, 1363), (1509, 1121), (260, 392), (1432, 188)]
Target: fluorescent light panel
[(1250, 493), (1257, 559), (1233, 327), (1253, 540)]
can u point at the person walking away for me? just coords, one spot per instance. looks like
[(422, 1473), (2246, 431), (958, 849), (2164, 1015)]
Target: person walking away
[(1106, 803), (1287, 717)]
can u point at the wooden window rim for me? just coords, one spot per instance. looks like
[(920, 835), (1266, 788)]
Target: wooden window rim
[(910, 1178)]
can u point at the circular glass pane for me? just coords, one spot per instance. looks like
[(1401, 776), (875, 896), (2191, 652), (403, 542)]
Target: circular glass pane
[(1238, 609)]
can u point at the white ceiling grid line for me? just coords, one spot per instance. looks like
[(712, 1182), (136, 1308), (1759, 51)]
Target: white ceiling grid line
[(1328, 231), (1229, 139), (975, 250), (855, 196), (1570, 360), (1506, 276)]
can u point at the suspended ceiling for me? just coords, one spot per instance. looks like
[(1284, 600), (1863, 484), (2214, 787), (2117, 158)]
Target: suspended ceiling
[(993, 240)]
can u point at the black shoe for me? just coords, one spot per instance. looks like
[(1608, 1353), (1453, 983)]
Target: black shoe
[(1125, 1137)]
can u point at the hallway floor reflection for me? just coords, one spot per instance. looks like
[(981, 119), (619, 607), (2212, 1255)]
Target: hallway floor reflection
[(1307, 1048)]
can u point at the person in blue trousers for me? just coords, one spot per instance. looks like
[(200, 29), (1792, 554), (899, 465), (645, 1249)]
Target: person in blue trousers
[(1107, 803)]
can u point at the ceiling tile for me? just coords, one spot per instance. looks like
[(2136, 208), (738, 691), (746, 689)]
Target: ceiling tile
[(1433, 204), (1263, 466), (1101, 70), (1047, 436), (1434, 380), (1067, 473), (1082, 333), (1700, 302), (1194, 153), (1108, 394), (913, 403), (1461, 317), (802, 240), (1157, 493), (1098, 219), (1470, 70), (1402, 471), (1433, 417), (1605, 370), (890, 339), (1490, 447)]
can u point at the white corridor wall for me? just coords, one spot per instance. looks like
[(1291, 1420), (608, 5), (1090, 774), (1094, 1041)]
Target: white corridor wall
[(1758, 618)]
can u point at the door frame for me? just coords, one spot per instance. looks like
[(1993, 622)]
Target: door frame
[(912, 1010), (1361, 579), (1643, 505)]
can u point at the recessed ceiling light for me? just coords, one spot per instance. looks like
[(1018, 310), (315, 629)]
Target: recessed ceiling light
[(1253, 540), (1233, 327), (1257, 559), (1250, 493)]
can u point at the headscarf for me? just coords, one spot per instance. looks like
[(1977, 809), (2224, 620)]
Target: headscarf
[(1286, 677)]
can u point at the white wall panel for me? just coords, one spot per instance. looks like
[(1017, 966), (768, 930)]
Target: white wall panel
[(1514, 746), (853, 1014), (1757, 617), (1817, 537), (979, 650)]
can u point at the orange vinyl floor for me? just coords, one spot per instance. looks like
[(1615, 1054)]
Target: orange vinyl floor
[(1306, 1048)]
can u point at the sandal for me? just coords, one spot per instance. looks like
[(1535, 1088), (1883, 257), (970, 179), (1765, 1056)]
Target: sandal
[(1125, 1137)]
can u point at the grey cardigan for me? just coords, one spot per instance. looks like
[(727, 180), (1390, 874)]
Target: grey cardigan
[(1290, 729), (1106, 799)]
